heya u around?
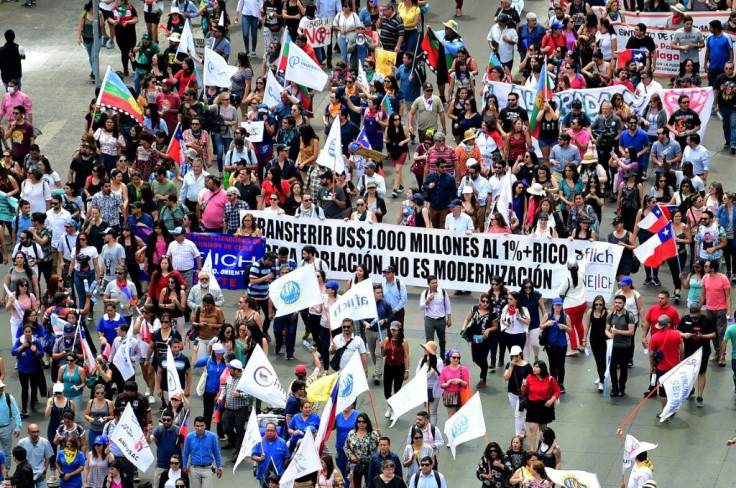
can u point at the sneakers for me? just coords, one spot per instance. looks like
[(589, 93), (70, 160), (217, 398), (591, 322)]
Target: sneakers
[(597, 382), (600, 387), (110, 44), (648, 282), (376, 380), (289, 358), (147, 393), (562, 389), (151, 399), (699, 402), (222, 438), (395, 193), (480, 384), (401, 188), (24, 414), (656, 282), (677, 299), (713, 357), (389, 413), (53, 480)]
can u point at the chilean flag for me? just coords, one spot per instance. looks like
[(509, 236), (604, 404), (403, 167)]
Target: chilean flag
[(654, 221), (327, 420), (638, 55), (668, 210), (363, 139), (176, 145), (658, 248), (89, 358)]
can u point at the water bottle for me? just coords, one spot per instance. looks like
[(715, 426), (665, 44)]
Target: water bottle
[(307, 345), (653, 380), (86, 285), (729, 319), (93, 288)]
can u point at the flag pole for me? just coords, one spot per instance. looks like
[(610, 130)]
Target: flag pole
[(186, 415), (373, 406)]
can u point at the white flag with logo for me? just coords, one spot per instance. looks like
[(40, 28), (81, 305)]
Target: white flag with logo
[(186, 41), (679, 382), (216, 70), (173, 383), (251, 438), (351, 381), (632, 448), (573, 478), (302, 69), (129, 437), (207, 267), (259, 379), (272, 94), (295, 291), (305, 461), (467, 424), (331, 154), (410, 395), (122, 359), (359, 302)]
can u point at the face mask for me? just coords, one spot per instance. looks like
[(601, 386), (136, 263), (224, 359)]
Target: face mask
[(11, 90)]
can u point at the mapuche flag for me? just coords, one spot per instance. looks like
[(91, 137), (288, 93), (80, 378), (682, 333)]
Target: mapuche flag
[(115, 95)]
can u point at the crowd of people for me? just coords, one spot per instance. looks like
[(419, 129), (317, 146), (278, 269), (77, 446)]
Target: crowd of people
[(70, 242)]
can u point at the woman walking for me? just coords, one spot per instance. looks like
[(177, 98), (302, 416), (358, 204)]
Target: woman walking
[(572, 289), (477, 328), (515, 373), (453, 378), (395, 350), (557, 325), (542, 391)]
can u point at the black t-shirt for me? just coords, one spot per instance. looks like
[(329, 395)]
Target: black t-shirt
[(518, 375), (82, 170), (726, 88), (684, 120), (511, 12), (703, 325), (646, 43), (139, 404), (271, 21), (509, 115), (327, 202), (182, 366), (249, 193)]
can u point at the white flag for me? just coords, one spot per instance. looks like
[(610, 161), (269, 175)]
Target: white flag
[(173, 384), (302, 69), (362, 78), (216, 70), (679, 382), (632, 448), (259, 379), (331, 154), (129, 437), (122, 359), (304, 461), (410, 395), (272, 95), (351, 382), (607, 376), (221, 22), (505, 196), (357, 303), (251, 438), (295, 291), (573, 478), (207, 267), (186, 41), (467, 423)]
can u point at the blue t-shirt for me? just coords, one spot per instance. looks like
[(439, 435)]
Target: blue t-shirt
[(2, 462), (167, 444), (343, 427), (292, 406), (108, 327), (719, 47), (639, 140), (277, 451)]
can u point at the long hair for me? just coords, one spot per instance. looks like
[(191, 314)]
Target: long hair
[(276, 179), (519, 309), (431, 361)]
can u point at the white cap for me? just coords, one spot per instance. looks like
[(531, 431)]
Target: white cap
[(58, 388), (467, 189), (531, 16), (515, 351), (235, 364)]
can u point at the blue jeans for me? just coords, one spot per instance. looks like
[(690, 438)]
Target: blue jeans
[(79, 277), (137, 82), (410, 40), (250, 24), (89, 47), (221, 145), (288, 324), (343, 43), (729, 124)]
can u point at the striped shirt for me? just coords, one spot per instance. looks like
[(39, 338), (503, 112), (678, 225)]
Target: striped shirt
[(391, 30), (258, 270)]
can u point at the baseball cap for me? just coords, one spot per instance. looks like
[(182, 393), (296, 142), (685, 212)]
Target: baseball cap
[(112, 231), (300, 369), (389, 269), (663, 322), (71, 223), (100, 439), (371, 165), (58, 388), (333, 285), (417, 198), (235, 364), (395, 325), (515, 351), (218, 348), (626, 280), (177, 231), (428, 87), (557, 301), (694, 308), (233, 190), (455, 203)]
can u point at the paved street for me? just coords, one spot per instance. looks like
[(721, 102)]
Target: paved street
[(692, 450)]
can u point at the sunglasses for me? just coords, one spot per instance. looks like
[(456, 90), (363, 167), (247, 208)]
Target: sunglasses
[(425, 465), (455, 357)]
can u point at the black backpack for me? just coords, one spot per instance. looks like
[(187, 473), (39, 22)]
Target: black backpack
[(629, 198), (436, 479)]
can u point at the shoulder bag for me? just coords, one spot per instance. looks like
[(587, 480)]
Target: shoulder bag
[(466, 392), (337, 357)]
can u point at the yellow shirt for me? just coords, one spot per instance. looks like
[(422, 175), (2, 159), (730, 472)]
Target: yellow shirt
[(409, 15)]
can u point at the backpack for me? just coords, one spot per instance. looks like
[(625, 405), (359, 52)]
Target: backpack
[(629, 198), (436, 479)]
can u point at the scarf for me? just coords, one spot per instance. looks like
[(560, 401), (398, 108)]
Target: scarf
[(677, 18), (646, 463), (362, 216), (197, 133), (306, 213), (70, 455)]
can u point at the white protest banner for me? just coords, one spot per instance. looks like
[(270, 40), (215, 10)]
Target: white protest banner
[(461, 262), (331, 154), (216, 70), (351, 382), (253, 130), (359, 302), (295, 291), (260, 380), (130, 439), (305, 460), (678, 382), (573, 478), (632, 448), (272, 95), (659, 19), (251, 438), (122, 360), (318, 31), (302, 69), (467, 423), (701, 101), (173, 383), (518, 5), (409, 396)]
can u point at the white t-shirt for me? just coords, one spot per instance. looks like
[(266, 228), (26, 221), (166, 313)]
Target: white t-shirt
[(90, 251), (346, 23), (37, 194), (32, 252), (605, 43), (357, 344), (505, 50)]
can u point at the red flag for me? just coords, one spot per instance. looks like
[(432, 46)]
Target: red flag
[(176, 145)]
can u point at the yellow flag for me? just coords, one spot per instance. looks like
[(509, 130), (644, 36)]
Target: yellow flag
[(320, 389), (384, 60)]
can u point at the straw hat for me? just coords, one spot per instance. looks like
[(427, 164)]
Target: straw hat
[(451, 24), (588, 158), (469, 135), (430, 347)]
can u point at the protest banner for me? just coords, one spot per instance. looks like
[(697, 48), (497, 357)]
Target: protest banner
[(318, 31), (384, 60), (659, 19), (357, 303), (412, 394), (131, 440), (173, 383), (679, 382), (251, 438), (216, 70), (302, 69), (632, 447), (701, 101), (573, 478), (460, 261), (253, 130), (230, 255)]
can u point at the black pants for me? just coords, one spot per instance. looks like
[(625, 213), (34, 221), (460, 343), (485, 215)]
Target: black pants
[(263, 307), (479, 351), (393, 378), (495, 342), (313, 328), (507, 342), (619, 368), (208, 400), (125, 38), (556, 357), (44, 268), (599, 354), (729, 256), (26, 380), (233, 423), (135, 276)]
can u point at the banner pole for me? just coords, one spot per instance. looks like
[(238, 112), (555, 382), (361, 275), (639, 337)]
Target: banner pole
[(373, 406)]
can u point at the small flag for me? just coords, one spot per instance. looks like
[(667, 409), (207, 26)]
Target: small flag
[(363, 139), (115, 95), (658, 248), (654, 221), (285, 43), (386, 105), (544, 93), (638, 55)]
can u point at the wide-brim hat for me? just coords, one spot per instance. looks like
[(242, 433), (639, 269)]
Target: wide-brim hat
[(536, 189), (430, 347), (470, 135), (451, 24)]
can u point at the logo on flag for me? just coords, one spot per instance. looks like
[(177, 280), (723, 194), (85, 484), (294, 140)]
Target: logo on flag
[(291, 292), (264, 376), (295, 291), (346, 385), (357, 303), (259, 379)]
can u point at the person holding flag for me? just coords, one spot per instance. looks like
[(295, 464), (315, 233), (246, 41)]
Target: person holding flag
[(666, 350), (271, 453), (697, 330), (168, 441)]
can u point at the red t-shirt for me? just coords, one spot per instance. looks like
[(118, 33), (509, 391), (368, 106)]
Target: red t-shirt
[(656, 311), (668, 341)]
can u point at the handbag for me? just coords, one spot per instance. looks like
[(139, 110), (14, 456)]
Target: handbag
[(337, 357), (360, 468), (202, 381), (466, 393)]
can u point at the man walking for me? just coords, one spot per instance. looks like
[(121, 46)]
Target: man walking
[(273, 449), (724, 89), (696, 330), (716, 296), (620, 328), (9, 421), (665, 352), (39, 454), (168, 440), (429, 477), (183, 254), (237, 408), (435, 303), (394, 292), (384, 453), (200, 452)]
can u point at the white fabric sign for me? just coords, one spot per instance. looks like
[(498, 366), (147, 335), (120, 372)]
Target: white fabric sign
[(609, 355), (122, 359), (632, 448), (351, 382), (259, 379), (574, 478), (659, 19), (272, 95), (461, 262), (467, 424), (129, 437), (305, 460), (302, 69), (251, 438), (186, 41), (295, 291), (679, 382), (410, 395), (173, 384), (359, 302), (254, 130), (331, 154), (216, 70)]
